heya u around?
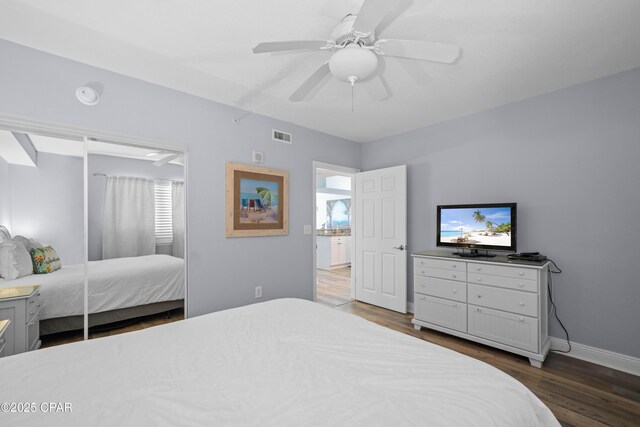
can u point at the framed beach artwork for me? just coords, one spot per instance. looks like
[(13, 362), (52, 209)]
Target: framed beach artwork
[(257, 201)]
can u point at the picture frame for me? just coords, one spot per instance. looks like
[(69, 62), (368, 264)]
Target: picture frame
[(257, 201)]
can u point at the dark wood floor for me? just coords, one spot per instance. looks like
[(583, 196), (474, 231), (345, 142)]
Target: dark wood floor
[(114, 329), (334, 286), (579, 393)]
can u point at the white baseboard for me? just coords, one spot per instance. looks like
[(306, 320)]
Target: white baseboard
[(620, 362)]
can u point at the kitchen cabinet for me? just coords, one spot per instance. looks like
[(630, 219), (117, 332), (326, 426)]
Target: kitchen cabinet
[(333, 252)]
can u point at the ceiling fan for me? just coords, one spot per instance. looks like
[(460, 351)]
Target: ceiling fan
[(357, 49)]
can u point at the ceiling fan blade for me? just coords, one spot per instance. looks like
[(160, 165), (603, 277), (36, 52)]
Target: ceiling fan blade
[(310, 83), (377, 89), (415, 49), (165, 160), (371, 14), (290, 45)]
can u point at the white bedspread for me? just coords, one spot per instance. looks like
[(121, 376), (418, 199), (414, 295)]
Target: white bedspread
[(113, 283), (279, 363)]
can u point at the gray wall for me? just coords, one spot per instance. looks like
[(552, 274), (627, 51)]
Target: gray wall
[(571, 160), (116, 166), (222, 272), (5, 195), (47, 204)]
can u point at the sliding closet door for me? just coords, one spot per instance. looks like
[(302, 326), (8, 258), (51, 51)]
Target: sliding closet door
[(135, 237), (42, 206)]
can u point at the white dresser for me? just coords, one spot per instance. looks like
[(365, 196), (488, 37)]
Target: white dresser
[(493, 301), (21, 306)]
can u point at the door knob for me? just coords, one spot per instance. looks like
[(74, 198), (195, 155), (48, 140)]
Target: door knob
[(401, 247)]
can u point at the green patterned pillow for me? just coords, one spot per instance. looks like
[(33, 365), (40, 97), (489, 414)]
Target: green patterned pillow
[(45, 260)]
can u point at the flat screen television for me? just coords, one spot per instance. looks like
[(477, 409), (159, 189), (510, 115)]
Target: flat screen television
[(478, 227)]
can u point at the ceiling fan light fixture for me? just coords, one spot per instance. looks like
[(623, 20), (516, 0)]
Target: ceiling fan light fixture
[(353, 61)]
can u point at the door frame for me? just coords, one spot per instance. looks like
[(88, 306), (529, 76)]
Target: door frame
[(351, 172), (57, 130)]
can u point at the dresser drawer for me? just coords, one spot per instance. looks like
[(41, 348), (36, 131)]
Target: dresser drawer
[(497, 270), (505, 328), (442, 312), (503, 299), (3, 345), (33, 305), (503, 282), (441, 274), (439, 263), (441, 288), (33, 333)]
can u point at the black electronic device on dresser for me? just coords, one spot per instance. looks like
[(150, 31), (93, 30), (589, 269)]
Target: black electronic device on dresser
[(527, 256)]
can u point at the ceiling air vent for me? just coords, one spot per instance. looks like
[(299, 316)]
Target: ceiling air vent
[(278, 135)]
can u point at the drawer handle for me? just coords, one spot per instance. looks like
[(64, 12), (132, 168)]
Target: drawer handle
[(454, 276), (478, 268), (520, 274), (521, 285), (479, 280), (479, 296), (453, 266), (38, 294), (478, 310), (32, 313), (521, 319), (32, 301), (455, 306), (423, 272), (521, 304), (423, 298)]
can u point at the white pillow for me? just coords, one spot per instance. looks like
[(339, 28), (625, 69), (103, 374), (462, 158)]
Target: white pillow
[(4, 234), (28, 243), (15, 261)]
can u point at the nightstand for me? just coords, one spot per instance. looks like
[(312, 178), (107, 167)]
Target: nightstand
[(21, 306), (4, 326)]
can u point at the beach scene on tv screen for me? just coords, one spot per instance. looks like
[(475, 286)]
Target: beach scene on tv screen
[(476, 226)]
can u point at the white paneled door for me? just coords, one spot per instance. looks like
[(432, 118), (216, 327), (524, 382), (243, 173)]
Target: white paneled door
[(381, 238)]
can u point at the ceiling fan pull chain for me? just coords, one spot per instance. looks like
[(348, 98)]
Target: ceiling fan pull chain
[(352, 97), (352, 80)]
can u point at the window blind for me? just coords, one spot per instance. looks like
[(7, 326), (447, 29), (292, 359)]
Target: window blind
[(164, 228)]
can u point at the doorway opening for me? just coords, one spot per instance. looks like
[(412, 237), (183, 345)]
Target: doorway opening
[(333, 232)]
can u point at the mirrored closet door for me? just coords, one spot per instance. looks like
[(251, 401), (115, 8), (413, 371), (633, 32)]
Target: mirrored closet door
[(92, 238), (136, 237), (42, 246)]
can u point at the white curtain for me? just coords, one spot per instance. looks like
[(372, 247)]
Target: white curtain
[(177, 213), (128, 228)]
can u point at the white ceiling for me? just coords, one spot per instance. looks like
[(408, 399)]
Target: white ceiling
[(68, 147), (11, 150), (14, 153), (512, 49)]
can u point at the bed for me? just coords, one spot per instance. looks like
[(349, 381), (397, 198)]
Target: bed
[(280, 363), (119, 289)]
